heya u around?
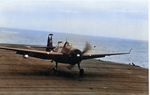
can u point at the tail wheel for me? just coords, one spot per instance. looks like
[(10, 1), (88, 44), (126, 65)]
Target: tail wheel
[(81, 72)]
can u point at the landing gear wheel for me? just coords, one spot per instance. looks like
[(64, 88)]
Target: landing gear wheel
[(54, 71), (81, 72)]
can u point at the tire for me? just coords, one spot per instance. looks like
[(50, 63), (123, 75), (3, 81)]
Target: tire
[(53, 70), (81, 72)]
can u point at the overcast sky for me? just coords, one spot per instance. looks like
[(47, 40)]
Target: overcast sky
[(110, 18)]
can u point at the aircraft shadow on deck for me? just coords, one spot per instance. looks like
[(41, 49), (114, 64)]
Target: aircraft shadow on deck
[(68, 74), (48, 73)]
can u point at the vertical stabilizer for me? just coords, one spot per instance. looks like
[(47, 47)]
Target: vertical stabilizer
[(49, 42)]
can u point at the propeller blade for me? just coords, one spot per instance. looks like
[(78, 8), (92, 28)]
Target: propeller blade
[(87, 48)]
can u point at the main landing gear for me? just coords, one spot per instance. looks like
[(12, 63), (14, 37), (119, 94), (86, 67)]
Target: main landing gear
[(81, 72), (54, 70)]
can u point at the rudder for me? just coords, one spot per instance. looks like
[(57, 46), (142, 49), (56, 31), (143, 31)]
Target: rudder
[(49, 42)]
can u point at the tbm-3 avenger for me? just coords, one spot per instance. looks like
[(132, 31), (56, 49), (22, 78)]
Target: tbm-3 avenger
[(64, 52)]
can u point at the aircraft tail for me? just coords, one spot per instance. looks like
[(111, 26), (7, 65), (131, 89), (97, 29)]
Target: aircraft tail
[(49, 42)]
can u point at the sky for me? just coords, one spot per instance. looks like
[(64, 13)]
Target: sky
[(108, 18)]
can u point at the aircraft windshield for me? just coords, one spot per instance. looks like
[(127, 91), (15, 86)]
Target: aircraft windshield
[(60, 45)]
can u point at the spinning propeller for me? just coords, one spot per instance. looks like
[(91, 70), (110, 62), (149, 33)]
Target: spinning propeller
[(86, 48), (78, 55)]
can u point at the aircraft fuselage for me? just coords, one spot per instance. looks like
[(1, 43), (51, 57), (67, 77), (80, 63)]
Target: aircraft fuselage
[(75, 56)]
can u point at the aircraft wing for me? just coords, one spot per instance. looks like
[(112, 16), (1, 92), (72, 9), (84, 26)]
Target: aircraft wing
[(33, 53), (89, 56), (41, 47)]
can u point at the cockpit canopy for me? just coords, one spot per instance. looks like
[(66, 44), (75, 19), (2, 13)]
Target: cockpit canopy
[(60, 46)]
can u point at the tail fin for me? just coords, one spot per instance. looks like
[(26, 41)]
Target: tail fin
[(49, 42)]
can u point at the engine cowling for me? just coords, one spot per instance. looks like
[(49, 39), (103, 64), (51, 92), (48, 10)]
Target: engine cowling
[(75, 57)]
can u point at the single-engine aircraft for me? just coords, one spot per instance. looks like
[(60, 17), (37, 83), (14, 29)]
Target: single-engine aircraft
[(64, 52)]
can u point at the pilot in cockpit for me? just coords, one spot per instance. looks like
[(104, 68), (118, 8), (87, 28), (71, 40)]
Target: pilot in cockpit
[(60, 46)]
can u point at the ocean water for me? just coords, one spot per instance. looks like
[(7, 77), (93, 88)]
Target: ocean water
[(139, 53)]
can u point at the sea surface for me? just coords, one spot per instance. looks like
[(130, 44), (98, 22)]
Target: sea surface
[(100, 45)]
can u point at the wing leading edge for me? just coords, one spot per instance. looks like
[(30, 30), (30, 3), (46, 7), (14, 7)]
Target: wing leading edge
[(30, 51), (46, 55), (102, 55)]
